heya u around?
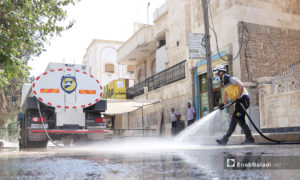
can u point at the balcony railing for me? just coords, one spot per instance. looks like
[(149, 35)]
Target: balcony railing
[(167, 76)]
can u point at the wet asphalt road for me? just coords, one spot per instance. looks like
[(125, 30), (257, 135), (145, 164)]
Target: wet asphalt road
[(136, 160)]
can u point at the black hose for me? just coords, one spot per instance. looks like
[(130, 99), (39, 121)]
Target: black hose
[(226, 105), (260, 133)]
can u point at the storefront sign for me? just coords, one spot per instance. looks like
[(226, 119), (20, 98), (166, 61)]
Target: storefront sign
[(196, 44), (115, 90)]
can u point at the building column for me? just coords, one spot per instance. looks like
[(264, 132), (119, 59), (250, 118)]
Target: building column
[(264, 89)]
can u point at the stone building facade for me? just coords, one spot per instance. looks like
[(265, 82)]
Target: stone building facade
[(155, 49), (266, 33), (101, 61), (255, 37)]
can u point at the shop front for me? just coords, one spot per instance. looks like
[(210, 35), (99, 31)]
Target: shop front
[(201, 91)]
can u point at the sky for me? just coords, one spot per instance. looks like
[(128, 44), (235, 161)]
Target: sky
[(94, 19)]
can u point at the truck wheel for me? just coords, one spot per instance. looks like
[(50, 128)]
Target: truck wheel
[(22, 134), (24, 142), (38, 144)]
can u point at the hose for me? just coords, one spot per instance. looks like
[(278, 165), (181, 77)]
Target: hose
[(260, 133), (49, 138), (255, 127)]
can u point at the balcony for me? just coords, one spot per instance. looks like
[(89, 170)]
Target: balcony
[(168, 76), (138, 47)]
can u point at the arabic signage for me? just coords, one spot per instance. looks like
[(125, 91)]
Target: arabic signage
[(196, 44), (116, 89)]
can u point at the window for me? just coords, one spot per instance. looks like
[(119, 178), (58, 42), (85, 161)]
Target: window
[(109, 68), (161, 42), (130, 69)]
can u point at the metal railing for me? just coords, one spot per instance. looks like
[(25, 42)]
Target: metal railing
[(165, 77)]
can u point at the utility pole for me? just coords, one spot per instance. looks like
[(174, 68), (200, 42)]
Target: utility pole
[(208, 55), (148, 13)]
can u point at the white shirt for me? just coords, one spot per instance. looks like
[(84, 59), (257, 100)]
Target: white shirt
[(174, 116), (190, 113)]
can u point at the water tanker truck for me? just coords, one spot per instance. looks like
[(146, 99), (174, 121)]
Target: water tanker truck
[(66, 103)]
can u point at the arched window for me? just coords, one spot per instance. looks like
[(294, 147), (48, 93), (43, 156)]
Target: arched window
[(109, 68), (130, 69)]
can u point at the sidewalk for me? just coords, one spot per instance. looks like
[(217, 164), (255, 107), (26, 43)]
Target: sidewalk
[(4, 144), (238, 139)]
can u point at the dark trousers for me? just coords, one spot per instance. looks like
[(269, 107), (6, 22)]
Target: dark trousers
[(238, 117), (179, 126), (173, 124), (190, 122)]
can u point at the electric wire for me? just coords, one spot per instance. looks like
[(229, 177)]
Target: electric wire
[(216, 38), (247, 68), (241, 43), (246, 53)]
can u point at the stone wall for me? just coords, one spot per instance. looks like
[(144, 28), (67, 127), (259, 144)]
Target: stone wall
[(282, 110), (278, 111), (269, 50), (227, 14)]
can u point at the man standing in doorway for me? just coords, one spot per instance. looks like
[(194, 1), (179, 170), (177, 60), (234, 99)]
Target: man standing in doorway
[(191, 114), (174, 117), (235, 91)]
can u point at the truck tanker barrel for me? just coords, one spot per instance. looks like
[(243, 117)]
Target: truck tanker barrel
[(69, 102)]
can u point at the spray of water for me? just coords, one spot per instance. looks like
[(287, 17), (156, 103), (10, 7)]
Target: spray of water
[(199, 128), (183, 141)]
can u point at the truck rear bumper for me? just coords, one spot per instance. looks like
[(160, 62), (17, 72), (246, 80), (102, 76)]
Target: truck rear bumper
[(60, 131)]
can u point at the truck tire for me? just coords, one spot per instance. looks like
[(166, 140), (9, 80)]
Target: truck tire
[(24, 142)]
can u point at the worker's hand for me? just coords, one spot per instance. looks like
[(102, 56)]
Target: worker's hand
[(221, 106)]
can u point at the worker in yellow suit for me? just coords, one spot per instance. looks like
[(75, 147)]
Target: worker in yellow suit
[(235, 91)]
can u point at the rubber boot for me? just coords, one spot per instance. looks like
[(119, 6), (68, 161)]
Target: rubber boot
[(222, 141)]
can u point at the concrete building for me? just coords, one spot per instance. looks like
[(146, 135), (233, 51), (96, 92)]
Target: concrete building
[(256, 38), (266, 33), (159, 54), (101, 61)]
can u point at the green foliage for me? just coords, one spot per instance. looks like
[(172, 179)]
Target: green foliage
[(25, 27), (12, 128)]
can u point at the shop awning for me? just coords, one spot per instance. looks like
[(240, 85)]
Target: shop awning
[(125, 106)]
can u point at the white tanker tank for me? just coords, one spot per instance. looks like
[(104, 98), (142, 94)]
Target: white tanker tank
[(70, 101)]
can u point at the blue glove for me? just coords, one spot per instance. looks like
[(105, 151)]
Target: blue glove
[(221, 106)]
